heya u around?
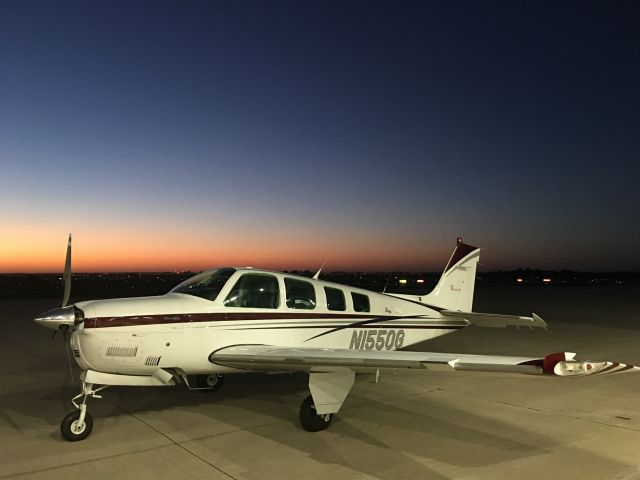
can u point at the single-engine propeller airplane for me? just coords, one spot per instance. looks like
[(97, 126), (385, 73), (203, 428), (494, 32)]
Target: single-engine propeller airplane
[(235, 320)]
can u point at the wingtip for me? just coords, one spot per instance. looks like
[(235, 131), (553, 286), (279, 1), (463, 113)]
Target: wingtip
[(538, 321)]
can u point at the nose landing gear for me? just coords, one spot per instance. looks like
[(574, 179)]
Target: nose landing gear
[(78, 425)]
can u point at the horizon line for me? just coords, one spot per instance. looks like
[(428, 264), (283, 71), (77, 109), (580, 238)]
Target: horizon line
[(439, 272)]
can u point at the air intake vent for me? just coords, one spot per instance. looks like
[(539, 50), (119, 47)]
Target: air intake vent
[(76, 353), (120, 351), (152, 360)]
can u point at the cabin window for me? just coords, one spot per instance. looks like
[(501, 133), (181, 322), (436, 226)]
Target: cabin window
[(360, 302), (206, 285), (335, 299), (300, 294), (254, 290)]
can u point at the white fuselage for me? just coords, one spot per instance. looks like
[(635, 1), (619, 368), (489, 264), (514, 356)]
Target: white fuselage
[(136, 336)]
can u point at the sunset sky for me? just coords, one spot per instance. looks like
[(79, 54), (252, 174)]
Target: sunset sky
[(187, 135)]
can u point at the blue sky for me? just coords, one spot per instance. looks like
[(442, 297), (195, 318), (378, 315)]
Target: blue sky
[(189, 134)]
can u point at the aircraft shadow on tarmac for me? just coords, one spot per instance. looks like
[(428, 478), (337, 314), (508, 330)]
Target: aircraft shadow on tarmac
[(427, 427)]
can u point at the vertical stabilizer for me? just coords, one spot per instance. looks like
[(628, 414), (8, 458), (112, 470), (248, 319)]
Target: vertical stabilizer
[(454, 290)]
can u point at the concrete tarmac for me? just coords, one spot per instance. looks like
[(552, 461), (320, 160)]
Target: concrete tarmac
[(427, 425)]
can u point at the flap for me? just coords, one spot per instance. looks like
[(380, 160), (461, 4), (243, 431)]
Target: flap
[(497, 320)]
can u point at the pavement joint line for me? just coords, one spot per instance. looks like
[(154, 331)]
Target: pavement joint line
[(171, 440), (70, 464), (178, 444), (229, 432)]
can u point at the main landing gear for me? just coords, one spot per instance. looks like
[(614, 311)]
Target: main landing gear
[(309, 418), (78, 425), (209, 383), (328, 392)]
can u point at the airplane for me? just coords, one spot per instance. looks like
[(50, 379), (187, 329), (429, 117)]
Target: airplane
[(236, 320)]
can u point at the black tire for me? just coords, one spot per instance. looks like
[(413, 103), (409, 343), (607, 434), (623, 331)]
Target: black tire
[(69, 427), (310, 420), (209, 383)]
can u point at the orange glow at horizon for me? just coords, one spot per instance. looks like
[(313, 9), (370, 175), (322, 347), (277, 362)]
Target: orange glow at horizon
[(28, 252)]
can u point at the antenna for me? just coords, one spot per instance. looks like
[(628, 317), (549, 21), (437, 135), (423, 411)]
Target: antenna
[(317, 275), (387, 284)]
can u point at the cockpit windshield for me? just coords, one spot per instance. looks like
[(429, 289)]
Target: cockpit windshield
[(206, 285)]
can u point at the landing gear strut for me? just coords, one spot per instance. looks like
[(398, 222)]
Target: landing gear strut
[(78, 425), (309, 418), (328, 392)]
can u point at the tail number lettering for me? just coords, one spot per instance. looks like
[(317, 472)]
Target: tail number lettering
[(376, 339)]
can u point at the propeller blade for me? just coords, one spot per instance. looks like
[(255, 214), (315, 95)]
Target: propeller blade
[(66, 278)]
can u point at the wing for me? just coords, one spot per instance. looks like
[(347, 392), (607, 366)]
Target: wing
[(273, 358)]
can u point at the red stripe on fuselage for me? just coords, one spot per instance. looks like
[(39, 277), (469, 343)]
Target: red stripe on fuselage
[(141, 320)]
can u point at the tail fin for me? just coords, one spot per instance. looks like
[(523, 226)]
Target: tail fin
[(454, 290)]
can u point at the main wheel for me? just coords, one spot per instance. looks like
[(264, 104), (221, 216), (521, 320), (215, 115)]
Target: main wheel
[(310, 420), (72, 431), (210, 383)]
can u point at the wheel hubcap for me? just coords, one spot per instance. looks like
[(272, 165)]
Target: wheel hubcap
[(78, 428)]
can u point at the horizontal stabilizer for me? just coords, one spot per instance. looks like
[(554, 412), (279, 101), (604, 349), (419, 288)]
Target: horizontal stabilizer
[(496, 320)]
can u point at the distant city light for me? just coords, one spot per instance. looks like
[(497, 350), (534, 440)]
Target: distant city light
[(402, 281), (546, 280), (520, 280), (420, 280)]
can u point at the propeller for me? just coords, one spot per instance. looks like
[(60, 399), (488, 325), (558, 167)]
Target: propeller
[(66, 282), (66, 285), (66, 277)]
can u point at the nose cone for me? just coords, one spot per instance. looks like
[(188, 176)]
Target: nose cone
[(57, 317)]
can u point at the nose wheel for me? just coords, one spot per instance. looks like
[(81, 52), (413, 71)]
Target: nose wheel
[(310, 420), (74, 429)]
